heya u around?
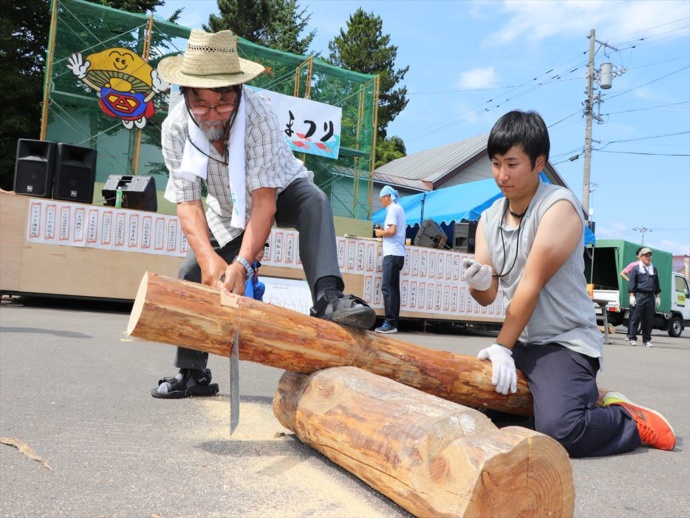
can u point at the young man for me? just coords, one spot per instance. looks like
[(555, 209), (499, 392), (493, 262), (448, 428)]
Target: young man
[(227, 137), (393, 236), (531, 243), (644, 290)]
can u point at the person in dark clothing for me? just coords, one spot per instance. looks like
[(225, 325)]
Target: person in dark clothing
[(645, 292)]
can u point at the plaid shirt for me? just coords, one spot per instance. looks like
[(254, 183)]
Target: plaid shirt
[(269, 163)]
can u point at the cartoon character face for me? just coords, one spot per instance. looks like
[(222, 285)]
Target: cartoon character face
[(119, 69)]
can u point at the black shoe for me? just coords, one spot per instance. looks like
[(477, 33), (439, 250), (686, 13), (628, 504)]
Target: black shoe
[(186, 384), (346, 310)]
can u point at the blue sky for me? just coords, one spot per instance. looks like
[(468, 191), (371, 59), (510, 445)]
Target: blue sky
[(472, 61)]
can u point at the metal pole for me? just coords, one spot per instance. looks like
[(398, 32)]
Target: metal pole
[(589, 108), (49, 68)]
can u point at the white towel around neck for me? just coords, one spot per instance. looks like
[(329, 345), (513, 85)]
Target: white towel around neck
[(195, 162), (649, 270)]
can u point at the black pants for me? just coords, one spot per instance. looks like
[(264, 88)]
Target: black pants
[(564, 388), (643, 313), (302, 206), (390, 287)]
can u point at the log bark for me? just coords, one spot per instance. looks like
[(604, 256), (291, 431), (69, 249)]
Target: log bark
[(432, 457), (190, 315)]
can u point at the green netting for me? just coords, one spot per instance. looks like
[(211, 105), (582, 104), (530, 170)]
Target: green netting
[(75, 117)]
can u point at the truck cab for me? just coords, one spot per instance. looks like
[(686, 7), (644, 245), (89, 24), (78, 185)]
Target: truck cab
[(680, 305)]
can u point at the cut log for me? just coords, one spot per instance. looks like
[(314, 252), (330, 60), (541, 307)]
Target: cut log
[(190, 315), (432, 457)]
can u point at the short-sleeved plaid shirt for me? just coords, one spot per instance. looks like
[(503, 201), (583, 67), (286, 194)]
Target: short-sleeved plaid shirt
[(268, 158)]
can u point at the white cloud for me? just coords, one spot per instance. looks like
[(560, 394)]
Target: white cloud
[(674, 247), (478, 78), (622, 20)]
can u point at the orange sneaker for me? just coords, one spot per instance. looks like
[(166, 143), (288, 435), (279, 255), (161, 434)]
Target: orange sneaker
[(655, 431)]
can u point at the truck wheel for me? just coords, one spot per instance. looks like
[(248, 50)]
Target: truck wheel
[(675, 327)]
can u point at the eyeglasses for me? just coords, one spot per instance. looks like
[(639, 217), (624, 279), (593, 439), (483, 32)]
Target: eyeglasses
[(221, 109)]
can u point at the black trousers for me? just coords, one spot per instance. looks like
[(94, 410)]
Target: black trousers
[(564, 388), (643, 313), (390, 287), (302, 206)]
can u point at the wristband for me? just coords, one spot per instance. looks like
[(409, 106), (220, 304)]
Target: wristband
[(246, 265)]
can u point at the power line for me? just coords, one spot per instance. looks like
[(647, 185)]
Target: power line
[(640, 153)]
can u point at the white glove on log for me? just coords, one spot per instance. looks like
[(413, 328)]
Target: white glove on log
[(632, 301), (658, 301), (504, 374), (477, 275)]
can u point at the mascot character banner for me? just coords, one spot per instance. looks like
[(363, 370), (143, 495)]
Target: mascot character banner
[(124, 82)]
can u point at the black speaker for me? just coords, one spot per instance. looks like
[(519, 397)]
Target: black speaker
[(430, 235), (75, 173), (463, 236), (34, 167), (138, 192)]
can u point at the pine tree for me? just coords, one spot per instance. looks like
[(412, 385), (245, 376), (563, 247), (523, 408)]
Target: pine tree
[(363, 47), (275, 24)]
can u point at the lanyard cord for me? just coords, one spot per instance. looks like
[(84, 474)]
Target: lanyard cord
[(503, 243)]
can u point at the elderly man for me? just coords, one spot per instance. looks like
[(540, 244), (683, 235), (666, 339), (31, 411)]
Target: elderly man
[(225, 136)]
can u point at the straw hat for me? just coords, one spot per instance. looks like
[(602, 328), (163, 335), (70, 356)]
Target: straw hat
[(210, 61)]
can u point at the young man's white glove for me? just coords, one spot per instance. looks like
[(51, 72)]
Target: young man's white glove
[(504, 374), (632, 301), (658, 301), (477, 275)]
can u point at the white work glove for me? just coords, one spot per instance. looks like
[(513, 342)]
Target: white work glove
[(477, 275), (658, 301), (632, 301), (158, 84), (504, 374), (78, 66)]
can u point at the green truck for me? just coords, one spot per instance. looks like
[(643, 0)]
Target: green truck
[(603, 265)]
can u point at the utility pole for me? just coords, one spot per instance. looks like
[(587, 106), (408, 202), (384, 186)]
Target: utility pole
[(642, 230), (593, 75), (589, 105)]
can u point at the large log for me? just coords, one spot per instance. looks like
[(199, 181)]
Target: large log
[(432, 457), (190, 315)]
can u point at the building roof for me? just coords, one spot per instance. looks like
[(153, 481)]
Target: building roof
[(423, 169), (430, 169)]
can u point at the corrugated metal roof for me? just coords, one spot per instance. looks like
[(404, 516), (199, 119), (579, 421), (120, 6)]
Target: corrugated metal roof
[(432, 164)]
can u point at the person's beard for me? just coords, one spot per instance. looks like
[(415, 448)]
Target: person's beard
[(213, 131)]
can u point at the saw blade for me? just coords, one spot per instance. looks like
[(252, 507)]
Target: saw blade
[(234, 383)]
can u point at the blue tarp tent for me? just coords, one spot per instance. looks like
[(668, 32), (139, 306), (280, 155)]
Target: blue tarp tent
[(466, 201)]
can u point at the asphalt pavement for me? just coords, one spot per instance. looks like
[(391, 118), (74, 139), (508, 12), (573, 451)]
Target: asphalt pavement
[(77, 392)]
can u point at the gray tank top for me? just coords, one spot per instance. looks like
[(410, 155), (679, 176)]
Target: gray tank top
[(564, 313)]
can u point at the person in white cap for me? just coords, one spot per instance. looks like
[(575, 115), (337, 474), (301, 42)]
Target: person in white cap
[(224, 136), (393, 235), (645, 291)]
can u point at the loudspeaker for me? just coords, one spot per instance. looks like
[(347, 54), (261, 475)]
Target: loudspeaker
[(430, 235), (138, 192), (34, 167), (75, 173), (463, 236)]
